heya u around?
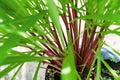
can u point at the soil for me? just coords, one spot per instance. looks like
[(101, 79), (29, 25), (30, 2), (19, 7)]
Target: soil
[(51, 74), (106, 75)]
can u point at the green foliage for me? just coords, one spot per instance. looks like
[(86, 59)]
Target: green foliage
[(37, 70), (68, 69), (53, 12), (52, 29)]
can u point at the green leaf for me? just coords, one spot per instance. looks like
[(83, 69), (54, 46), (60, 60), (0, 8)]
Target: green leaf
[(14, 52), (116, 77), (68, 66), (114, 50), (112, 32), (15, 74), (53, 12), (64, 3), (91, 69), (114, 74), (8, 44), (8, 69), (3, 14), (113, 18), (17, 8), (14, 38), (98, 73), (36, 72), (22, 59), (52, 46)]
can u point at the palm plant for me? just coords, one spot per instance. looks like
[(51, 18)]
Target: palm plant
[(67, 35)]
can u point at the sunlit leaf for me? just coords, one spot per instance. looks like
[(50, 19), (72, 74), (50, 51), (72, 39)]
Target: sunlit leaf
[(8, 69), (53, 12), (13, 38), (68, 67), (22, 59), (36, 72)]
